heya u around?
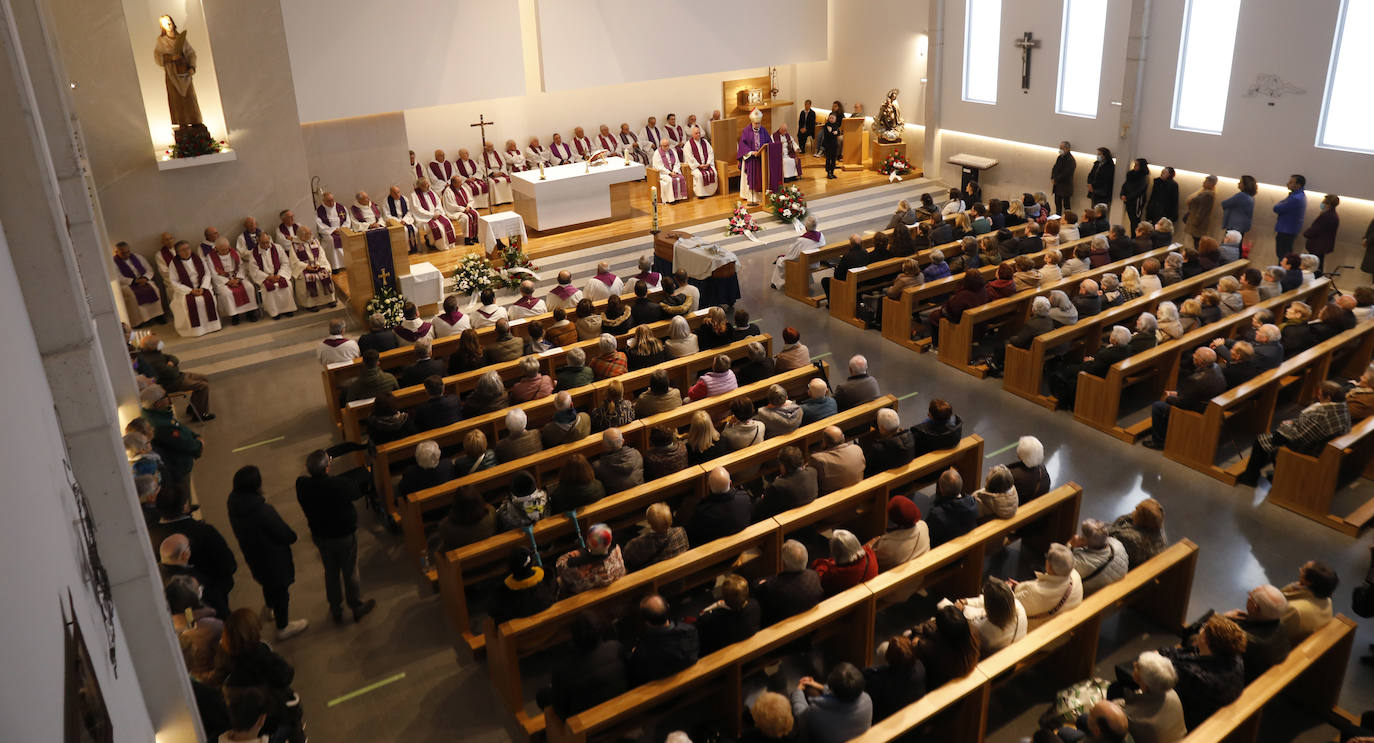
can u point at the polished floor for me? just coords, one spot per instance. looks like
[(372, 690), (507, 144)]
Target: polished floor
[(428, 694)]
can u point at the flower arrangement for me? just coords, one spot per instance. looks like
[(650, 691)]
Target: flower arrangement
[(473, 274), (741, 222), (896, 165), (194, 141), (389, 304), (517, 268), (788, 203)]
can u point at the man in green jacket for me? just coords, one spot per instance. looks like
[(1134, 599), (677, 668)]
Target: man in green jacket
[(178, 445)]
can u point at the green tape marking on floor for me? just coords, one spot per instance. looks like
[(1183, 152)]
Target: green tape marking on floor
[(909, 394), (1008, 447), (821, 356), (366, 689), (260, 443)]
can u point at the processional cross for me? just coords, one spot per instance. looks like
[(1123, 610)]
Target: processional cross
[(1026, 43), (482, 123)]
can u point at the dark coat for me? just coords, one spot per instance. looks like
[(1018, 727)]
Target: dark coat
[(750, 372), (1266, 645), (1206, 683), (645, 311), (787, 594), (964, 299), (719, 515), (437, 412), (1031, 482), (856, 390), (328, 505), (419, 371), (1061, 174), (264, 539), (723, 626), (1296, 338), (1198, 388), (513, 598), (792, 490), (855, 257), (1163, 201), (951, 518), (1141, 342), (1034, 327), (378, 340), (1100, 179), (1105, 358), (589, 678), (928, 435), (892, 689), (1030, 244), (663, 651), (1321, 235), (210, 554), (1087, 304), (884, 453)]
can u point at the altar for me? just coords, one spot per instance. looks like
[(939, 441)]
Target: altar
[(573, 194)]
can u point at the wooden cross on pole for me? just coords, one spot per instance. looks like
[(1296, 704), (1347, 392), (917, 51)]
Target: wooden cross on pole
[(1026, 43), (482, 124)]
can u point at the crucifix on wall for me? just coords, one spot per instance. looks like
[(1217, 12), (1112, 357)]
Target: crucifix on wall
[(1026, 43)]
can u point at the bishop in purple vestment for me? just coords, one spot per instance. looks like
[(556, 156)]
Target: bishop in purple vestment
[(753, 137)]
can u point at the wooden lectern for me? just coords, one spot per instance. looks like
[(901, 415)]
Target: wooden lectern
[(855, 143), (360, 269)]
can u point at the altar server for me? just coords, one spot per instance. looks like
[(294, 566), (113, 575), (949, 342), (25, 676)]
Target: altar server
[(563, 295), (364, 214), (310, 266), (791, 153), (141, 298), (477, 187), (494, 166), (330, 218), (451, 321), (193, 298), (270, 269), (429, 211), (527, 305), (233, 289), (702, 160), (672, 185), (560, 153), (459, 209), (581, 144), (399, 209), (603, 284)]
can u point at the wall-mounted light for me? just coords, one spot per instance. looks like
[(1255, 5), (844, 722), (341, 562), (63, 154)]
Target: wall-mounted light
[(72, 84)]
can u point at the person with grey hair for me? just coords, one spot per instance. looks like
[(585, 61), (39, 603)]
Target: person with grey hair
[(1266, 640), (681, 340), (1099, 558), (1111, 291), (839, 463), (859, 388), (1054, 591), (327, 502), (425, 365), (1062, 311), (724, 511), (793, 590), (757, 367), (849, 564), (1193, 393), (1153, 708), (489, 395), (1088, 300), (810, 239), (574, 372), (997, 498), (1146, 334), (952, 514), (1271, 283), (1099, 251), (532, 384), (818, 404), (1036, 325), (780, 416), (1116, 350), (518, 441), (889, 446), (335, 348), (568, 425), (147, 488), (619, 467), (937, 268), (646, 276)]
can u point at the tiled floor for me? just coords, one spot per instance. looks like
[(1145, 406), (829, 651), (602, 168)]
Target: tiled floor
[(1243, 541)]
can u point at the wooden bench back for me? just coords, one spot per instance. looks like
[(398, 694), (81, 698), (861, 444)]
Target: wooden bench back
[(1306, 484)]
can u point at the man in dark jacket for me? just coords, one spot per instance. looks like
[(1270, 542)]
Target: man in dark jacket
[(1119, 246), (1145, 336), (379, 338), (1036, 325), (644, 310), (664, 647), (425, 365), (594, 673), (1032, 242), (792, 591), (1117, 349), (178, 445), (941, 232), (941, 429), (1088, 300), (1194, 392), (1061, 178), (890, 446), (372, 379), (795, 486), (743, 328), (723, 512), (1241, 365), (953, 514), (859, 388), (327, 502), (210, 554), (505, 346), (165, 369), (265, 541), (855, 257), (440, 409)]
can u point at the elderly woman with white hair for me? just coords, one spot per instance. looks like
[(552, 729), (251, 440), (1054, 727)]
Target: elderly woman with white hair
[(1036, 325), (1172, 272), (1228, 289), (997, 498), (1099, 558), (1153, 708), (533, 384), (1145, 337), (1266, 640), (1168, 325), (850, 563), (518, 441), (681, 340), (1230, 248), (1111, 291), (430, 469), (610, 360), (1052, 592), (488, 396), (1028, 471)]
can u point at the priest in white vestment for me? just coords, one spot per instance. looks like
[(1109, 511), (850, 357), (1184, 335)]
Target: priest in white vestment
[(646, 276), (691, 122), (564, 294), (416, 170), (701, 158), (335, 348), (515, 159), (451, 321), (791, 153), (459, 209), (234, 290), (608, 142), (672, 185), (249, 237), (270, 269), (208, 245), (364, 214), (399, 209), (808, 240), (603, 283), (560, 152), (330, 217), (581, 144), (412, 328), (494, 166), (485, 310), (440, 170), (675, 133), (166, 251), (142, 301), (629, 139), (649, 137), (310, 266), (527, 305), (428, 207), (472, 180), (288, 230), (536, 154), (193, 295)]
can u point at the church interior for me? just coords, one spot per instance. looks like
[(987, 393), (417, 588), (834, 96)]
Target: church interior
[(590, 370)]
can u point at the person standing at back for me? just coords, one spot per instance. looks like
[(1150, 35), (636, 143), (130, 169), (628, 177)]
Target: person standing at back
[(265, 541), (1289, 214), (1061, 178), (327, 502)]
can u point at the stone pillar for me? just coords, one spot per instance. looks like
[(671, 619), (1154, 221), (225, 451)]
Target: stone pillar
[(935, 71)]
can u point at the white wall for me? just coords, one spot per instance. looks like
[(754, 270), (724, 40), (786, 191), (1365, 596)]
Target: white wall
[(587, 43), (356, 57), (143, 28), (870, 52)]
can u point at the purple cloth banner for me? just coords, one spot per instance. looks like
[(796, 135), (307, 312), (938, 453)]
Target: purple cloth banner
[(379, 257)]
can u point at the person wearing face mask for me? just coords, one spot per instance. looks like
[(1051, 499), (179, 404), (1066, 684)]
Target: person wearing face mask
[(1100, 179), (1321, 235), (1061, 178)]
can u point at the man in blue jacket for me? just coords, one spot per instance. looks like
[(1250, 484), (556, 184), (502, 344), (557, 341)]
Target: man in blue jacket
[(1290, 212)]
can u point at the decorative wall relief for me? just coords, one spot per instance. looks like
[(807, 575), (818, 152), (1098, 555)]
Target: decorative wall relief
[(1273, 87)]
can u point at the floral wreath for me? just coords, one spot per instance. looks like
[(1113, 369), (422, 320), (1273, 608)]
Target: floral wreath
[(473, 274), (788, 203), (741, 222), (389, 304)]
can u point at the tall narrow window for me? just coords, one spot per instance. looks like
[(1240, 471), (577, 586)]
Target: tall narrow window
[(1347, 108), (1080, 57), (1204, 65), (982, 40)]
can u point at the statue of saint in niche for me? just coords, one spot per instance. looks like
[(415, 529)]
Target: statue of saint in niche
[(175, 55), (889, 123)]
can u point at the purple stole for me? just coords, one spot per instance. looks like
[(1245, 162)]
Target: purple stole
[(787, 149), (419, 170), (648, 277), (315, 277), (528, 302), (143, 293), (607, 142), (675, 134), (564, 155), (376, 213), (629, 138), (583, 145), (485, 314), (240, 292), (442, 171), (207, 248), (606, 278), (812, 235), (274, 280), (699, 151), (451, 318), (564, 291), (250, 239), (460, 197), (168, 255), (335, 342), (409, 335), (471, 175), (185, 279), (536, 149), (513, 166), (430, 203), (652, 133), (670, 165), (750, 140), (400, 215), (339, 214), (497, 171), (289, 233)]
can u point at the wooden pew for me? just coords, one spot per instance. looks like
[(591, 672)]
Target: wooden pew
[(1311, 675), (457, 569), (337, 377), (1194, 438), (1098, 402), (957, 339), (1066, 646), (1025, 367), (1307, 483), (845, 622)]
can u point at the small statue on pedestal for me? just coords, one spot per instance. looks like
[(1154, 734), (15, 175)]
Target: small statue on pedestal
[(889, 123)]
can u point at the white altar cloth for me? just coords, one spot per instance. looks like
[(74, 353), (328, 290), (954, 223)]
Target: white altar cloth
[(570, 194)]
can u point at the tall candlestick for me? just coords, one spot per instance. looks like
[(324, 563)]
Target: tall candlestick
[(653, 197)]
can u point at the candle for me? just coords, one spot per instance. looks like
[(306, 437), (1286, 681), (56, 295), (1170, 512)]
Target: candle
[(653, 198)]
